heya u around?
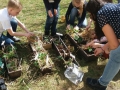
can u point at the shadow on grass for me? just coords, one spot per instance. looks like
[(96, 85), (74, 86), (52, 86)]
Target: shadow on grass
[(25, 53)]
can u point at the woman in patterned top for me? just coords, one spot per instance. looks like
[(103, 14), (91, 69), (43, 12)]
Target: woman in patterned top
[(107, 22)]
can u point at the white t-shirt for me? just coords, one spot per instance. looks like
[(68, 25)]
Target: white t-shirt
[(4, 20)]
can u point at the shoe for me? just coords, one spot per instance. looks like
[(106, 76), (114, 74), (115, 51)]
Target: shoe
[(46, 33), (94, 84), (15, 39), (53, 34)]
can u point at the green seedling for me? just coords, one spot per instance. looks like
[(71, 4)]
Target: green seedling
[(10, 52), (42, 56), (78, 38), (60, 58), (76, 31), (89, 49), (36, 64), (11, 66)]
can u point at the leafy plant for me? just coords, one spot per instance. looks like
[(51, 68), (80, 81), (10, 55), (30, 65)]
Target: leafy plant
[(60, 58), (42, 56), (11, 65), (9, 52), (90, 49), (76, 31), (46, 39), (36, 64), (9, 55), (78, 38)]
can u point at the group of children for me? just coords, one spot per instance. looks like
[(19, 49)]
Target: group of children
[(76, 9), (10, 22), (103, 15), (106, 18)]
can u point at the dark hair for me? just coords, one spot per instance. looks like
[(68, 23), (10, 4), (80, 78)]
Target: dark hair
[(93, 6)]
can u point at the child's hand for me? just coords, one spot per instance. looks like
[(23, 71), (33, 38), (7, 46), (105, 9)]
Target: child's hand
[(50, 13), (68, 27), (87, 27), (98, 51), (55, 11), (28, 35), (89, 44), (31, 33), (96, 45), (76, 28)]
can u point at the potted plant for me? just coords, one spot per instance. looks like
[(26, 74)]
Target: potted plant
[(46, 42), (40, 58), (12, 61)]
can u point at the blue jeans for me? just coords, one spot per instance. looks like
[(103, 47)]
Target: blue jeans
[(7, 38), (14, 24), (74, 13), (51, 22), (112, 67)]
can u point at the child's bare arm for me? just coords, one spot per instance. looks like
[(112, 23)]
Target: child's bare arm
[(93, 43), (12, 33), (89, 24), (90, 43), (22, 25)]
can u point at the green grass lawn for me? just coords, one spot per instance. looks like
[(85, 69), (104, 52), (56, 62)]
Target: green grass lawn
[(33, 16)]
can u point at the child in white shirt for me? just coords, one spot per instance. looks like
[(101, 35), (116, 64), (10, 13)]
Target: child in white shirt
[(9, 22)]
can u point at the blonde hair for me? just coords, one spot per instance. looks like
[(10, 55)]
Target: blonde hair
[(87, 33), (14, 4), (80, 4)]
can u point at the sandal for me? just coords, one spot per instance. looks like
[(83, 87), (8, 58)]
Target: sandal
[(94, 84)]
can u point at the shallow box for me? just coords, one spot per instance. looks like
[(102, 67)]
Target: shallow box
[(14, 74), (47, 46), (13, 68), (82, 53), (61, 48), (86, 55), (12, 62)]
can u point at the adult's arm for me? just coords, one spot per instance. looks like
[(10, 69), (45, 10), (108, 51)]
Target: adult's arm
[(111, 37), (112, 43)]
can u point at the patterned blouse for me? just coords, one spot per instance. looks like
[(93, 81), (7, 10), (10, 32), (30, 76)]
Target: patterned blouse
[(110, 14)]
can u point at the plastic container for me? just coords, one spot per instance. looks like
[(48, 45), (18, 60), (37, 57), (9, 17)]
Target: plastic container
[(74, 74)]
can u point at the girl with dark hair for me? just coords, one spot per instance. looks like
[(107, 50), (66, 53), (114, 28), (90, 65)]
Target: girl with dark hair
[(107, 22)]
